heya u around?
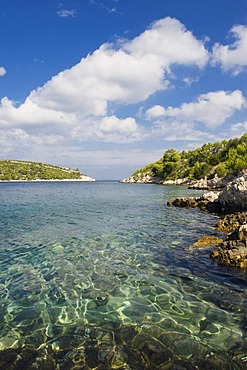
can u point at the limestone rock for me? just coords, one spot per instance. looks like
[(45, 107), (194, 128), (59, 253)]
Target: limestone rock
[(234, 195), (242, 233), (210, 196), (202, 202), (230, 222), (211, 183), (233, 253), (141, 178)]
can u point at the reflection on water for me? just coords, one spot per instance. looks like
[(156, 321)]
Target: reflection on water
[(100, 276)]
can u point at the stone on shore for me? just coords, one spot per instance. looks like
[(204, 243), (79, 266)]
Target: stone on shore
[(233, 251), (234, 195)]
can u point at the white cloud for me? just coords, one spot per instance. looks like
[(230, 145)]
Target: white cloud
[(190, 80), (178, 130), (110, 129), (2, 71), (107, 75), (76, 101), (211, 109), (30, 116), (169, 40), (234, 56), (237, 129), (18, 140), (65, 13)]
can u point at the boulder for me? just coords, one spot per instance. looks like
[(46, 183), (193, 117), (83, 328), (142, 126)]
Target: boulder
[(202, 202), (234, 195), (230, 222), (233, 253)]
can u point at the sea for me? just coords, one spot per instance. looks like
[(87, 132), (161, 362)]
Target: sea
[(104, 275)]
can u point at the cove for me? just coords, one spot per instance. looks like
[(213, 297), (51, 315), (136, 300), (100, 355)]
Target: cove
[(101, 276)]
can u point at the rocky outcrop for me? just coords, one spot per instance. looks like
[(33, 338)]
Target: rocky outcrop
[(233, 251), (231, 222), (234, 195), (216, 182), (233, 198), (208, 201)]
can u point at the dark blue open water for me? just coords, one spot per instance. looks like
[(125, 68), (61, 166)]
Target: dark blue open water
[(103, 276)]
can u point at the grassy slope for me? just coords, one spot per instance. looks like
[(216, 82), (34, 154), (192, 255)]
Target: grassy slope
[(221, 158), (22, 170)]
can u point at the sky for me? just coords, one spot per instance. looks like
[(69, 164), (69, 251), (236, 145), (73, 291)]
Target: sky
[(107, 86)]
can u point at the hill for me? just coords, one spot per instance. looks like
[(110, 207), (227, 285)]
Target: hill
[(220, 158), (30, 171)]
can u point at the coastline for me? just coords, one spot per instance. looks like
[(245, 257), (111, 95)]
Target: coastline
[(231, 205), (51, 180)]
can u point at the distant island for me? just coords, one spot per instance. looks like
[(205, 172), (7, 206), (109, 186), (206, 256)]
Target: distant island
[(209, 166), (16, 170)]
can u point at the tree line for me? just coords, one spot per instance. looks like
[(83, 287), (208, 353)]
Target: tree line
[(29, 171), (221, 158)]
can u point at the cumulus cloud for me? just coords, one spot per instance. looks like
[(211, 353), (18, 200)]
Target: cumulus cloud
[(211, 109), (76, 101), (179, 131), (107, 75), (110, 129), (2, 71), (171, 43), (65, 13), (238, 129), (234, 56), (18, 143)]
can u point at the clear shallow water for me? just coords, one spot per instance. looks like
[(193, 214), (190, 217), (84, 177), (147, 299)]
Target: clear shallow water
[(102, 276)]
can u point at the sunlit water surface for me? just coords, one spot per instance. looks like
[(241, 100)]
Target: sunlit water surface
[(104, 276)]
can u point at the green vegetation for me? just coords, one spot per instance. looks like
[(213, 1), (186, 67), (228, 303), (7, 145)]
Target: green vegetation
[(221, 158), (28, 171)]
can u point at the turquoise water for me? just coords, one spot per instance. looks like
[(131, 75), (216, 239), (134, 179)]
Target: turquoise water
[(104, 276)]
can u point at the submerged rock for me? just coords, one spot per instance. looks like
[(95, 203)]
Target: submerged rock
[(208, 241)]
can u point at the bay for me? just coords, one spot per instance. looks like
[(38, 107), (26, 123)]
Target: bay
[(103, 275)]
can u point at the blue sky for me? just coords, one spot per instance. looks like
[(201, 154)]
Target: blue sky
[(108, 85)]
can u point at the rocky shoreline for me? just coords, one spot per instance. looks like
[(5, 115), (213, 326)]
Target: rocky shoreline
[(231, 205), (215, 183)]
